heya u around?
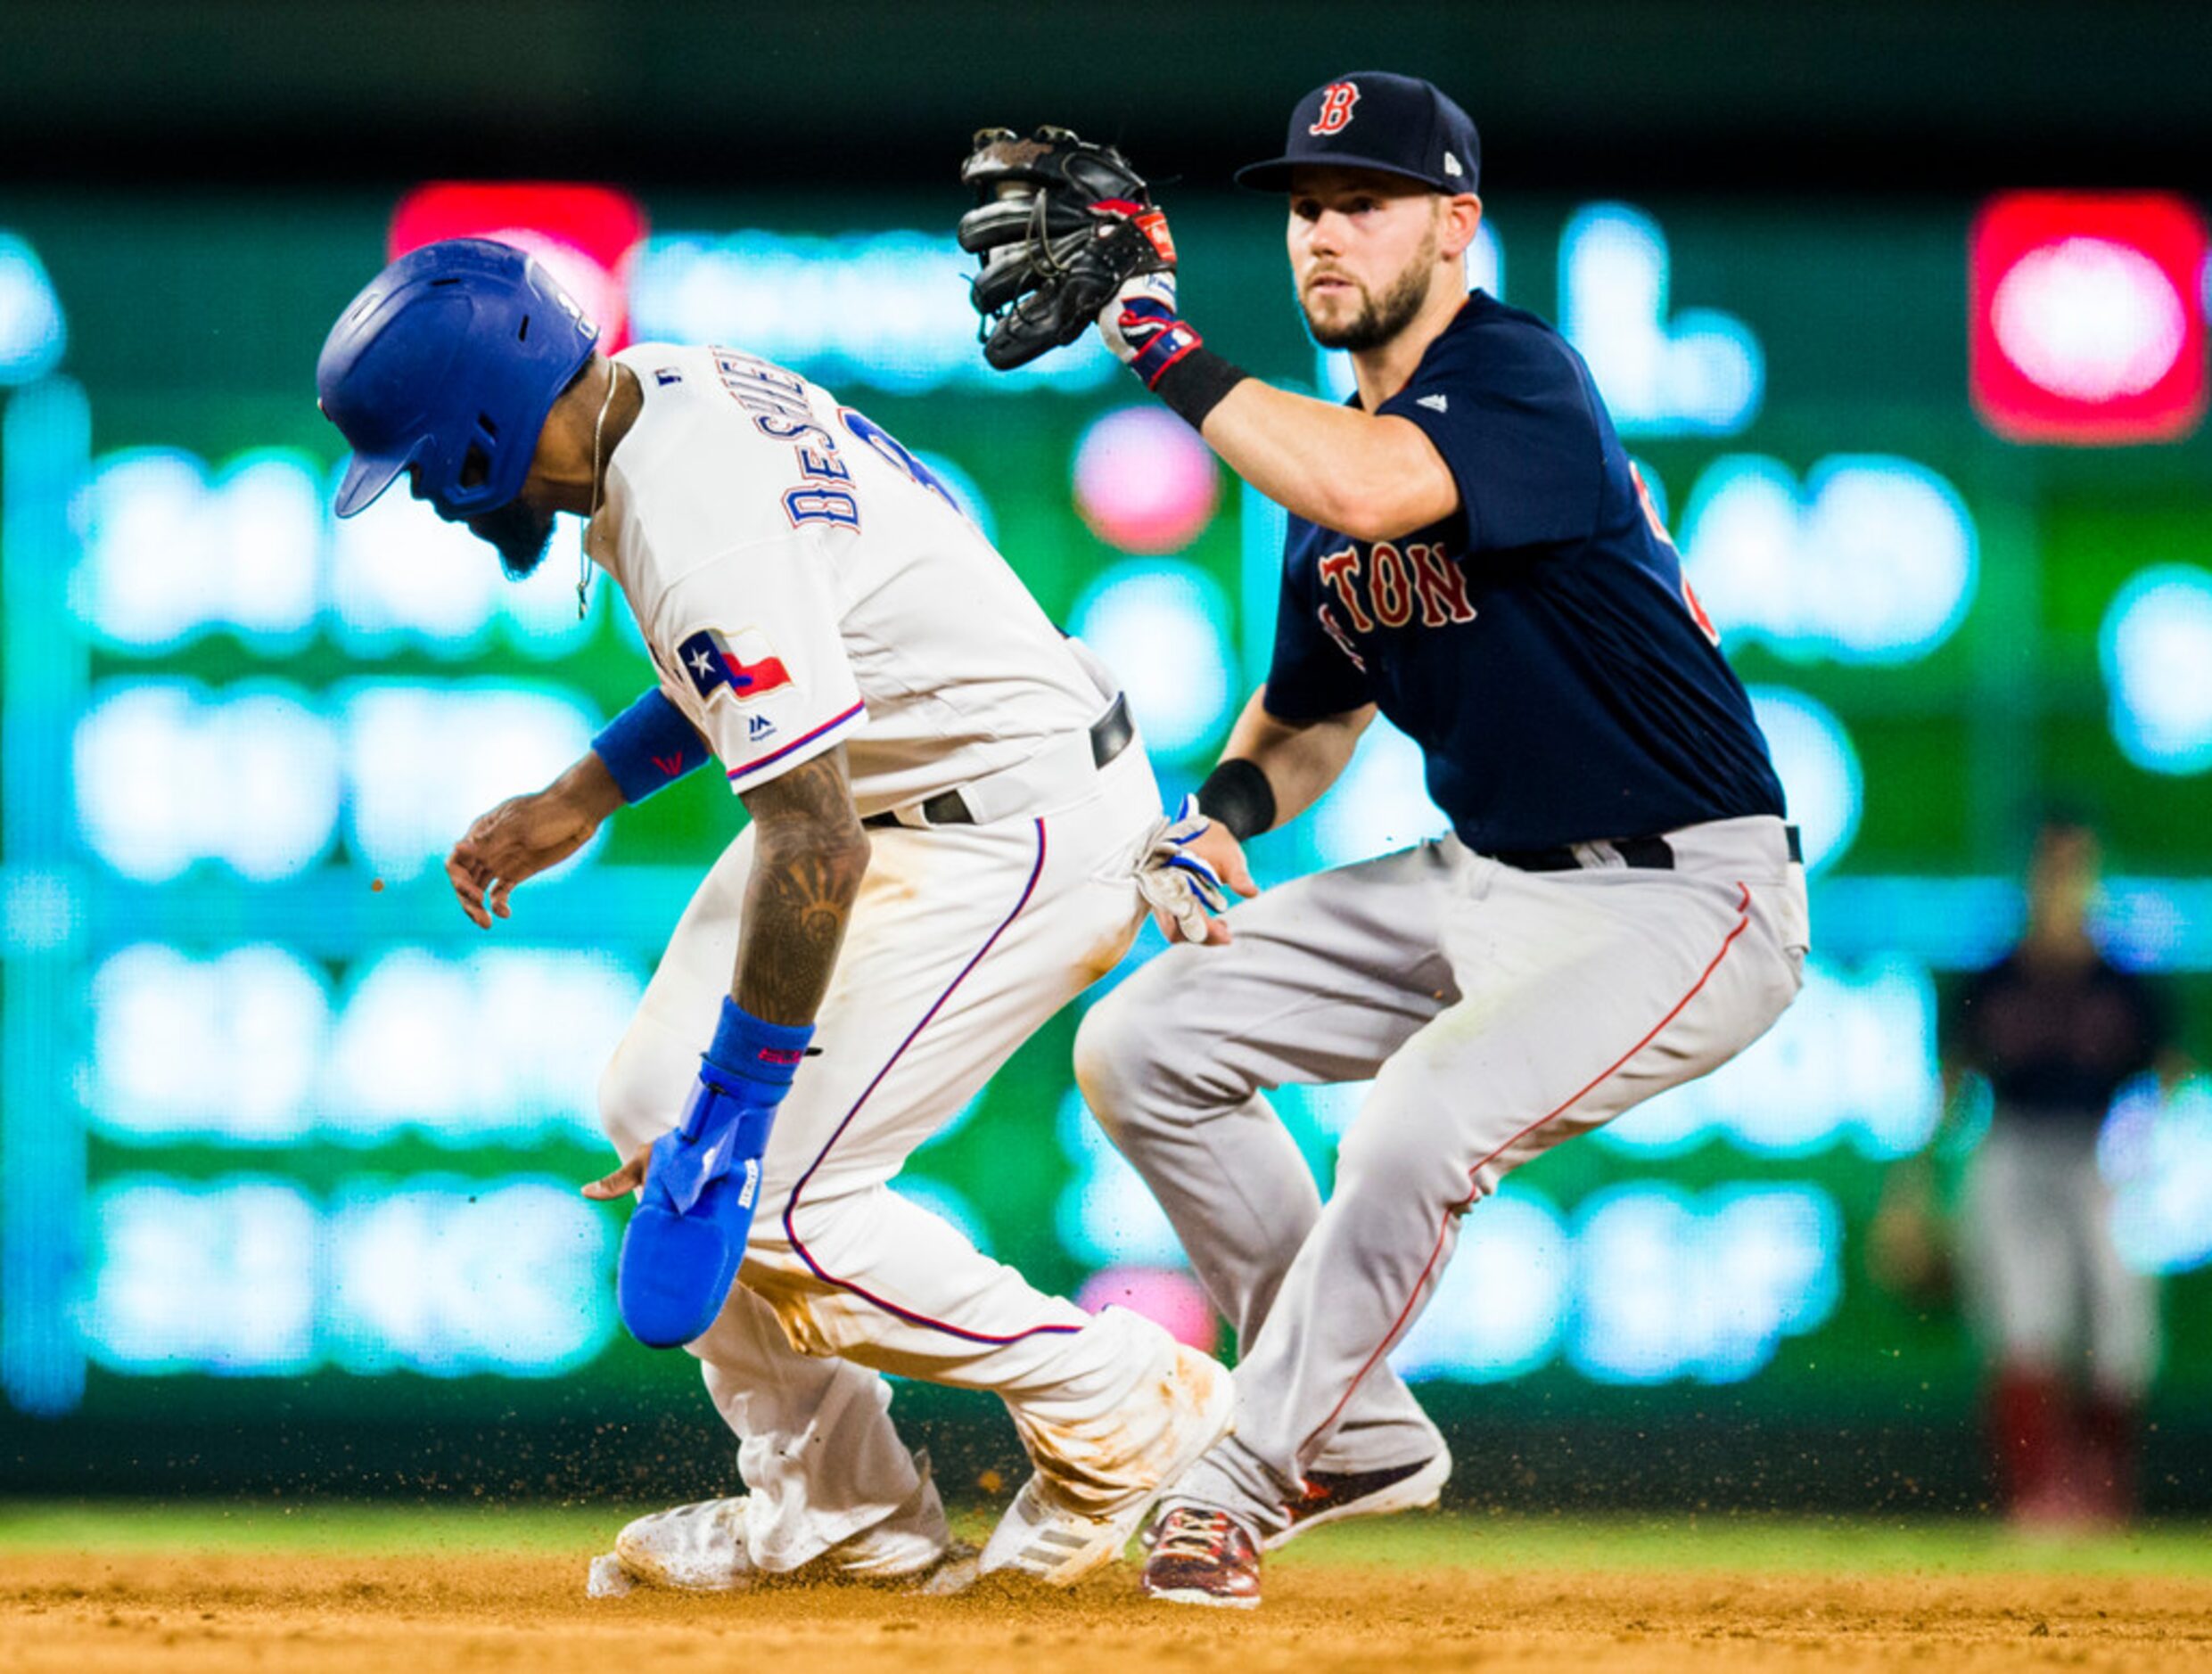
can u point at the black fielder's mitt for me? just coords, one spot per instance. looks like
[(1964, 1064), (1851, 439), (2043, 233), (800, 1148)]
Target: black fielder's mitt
[(1060, 223)]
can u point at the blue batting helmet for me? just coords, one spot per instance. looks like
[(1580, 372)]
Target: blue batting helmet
[(446, 364)]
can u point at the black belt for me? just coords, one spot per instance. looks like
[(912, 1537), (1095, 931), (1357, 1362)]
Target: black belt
[(1109, 736), (1645, 854)]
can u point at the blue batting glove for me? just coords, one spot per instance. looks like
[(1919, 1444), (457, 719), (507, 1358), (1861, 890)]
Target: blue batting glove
[(685, 1243)]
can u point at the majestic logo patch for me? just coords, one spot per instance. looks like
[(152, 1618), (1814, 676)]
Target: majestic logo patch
[(1434, 403), (743, 664), (757, 728), (1336, 103)]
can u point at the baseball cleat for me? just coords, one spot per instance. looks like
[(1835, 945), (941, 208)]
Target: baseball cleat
[(1048, 1536), (702, 1549), (1333, 1495), (1204, 1557), (695, 1548)]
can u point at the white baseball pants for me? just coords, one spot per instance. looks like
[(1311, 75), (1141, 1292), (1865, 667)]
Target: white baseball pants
[(2041, 1275), (1497, 1011), (963, 940)]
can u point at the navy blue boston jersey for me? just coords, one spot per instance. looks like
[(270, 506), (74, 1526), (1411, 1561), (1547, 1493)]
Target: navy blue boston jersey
[(1540, 645)]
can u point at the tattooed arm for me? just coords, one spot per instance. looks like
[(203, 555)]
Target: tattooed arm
[(809, 858), (809, 855)]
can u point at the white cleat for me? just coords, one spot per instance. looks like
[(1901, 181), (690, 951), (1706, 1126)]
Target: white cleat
[(695, 1548), (1047, 1535), (702, 1549)]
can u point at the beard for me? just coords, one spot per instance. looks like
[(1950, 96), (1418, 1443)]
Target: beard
[(521, 534), (1379, 321)]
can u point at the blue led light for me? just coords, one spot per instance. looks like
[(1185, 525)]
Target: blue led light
[(33, 333), (1161, 626), (1873, 560), (2156, 646), (1499, 1307), (1675, 1285), (1697, 372), (257, 776), (2157, 1152), (1819, 768), (171, 551), (1380, 803), (881, 310), (247, 1276), (1640, 1285), (1851, 1062)]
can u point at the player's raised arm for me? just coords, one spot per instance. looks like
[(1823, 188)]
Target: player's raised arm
[(1376, 255), (1373, 476)]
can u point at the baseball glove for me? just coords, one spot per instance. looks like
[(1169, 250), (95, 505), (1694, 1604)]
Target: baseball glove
[(1061, 224)]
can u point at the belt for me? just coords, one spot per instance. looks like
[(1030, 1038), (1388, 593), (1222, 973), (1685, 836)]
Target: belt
[(1109, 736), (1642, 854)]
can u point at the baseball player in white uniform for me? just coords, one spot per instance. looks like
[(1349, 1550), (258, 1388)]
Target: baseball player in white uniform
[(1619, 906), (949, 814)]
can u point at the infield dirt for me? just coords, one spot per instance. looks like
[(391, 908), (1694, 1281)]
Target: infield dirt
[(216, 1612)]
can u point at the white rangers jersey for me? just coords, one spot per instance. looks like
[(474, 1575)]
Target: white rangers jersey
[(802, 580)]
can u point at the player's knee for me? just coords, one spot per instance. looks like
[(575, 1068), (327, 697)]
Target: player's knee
[(1392, 1161), (1130, 1061), (1101, 1066)]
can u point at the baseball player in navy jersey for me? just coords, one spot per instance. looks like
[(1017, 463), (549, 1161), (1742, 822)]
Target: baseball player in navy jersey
[(950, 816), (1619, 906)]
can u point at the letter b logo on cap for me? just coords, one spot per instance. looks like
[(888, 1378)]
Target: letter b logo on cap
[(1336, 103)]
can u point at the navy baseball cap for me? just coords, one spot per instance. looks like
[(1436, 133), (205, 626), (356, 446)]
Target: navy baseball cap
[(1400, 125)]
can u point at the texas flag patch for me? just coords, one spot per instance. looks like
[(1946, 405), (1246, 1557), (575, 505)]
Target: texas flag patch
[(743, 664)]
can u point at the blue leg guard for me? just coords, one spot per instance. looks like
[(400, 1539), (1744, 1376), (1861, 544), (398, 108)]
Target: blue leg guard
[(686, 1241)]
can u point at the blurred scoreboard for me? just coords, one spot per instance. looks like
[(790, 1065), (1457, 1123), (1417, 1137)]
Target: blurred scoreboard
[(274, 1113)]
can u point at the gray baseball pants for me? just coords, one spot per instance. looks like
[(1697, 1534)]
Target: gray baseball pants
[(1497, 1012)]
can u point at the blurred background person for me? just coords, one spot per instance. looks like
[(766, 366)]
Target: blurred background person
[(2069, 1332)]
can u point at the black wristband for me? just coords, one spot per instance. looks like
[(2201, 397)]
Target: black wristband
[(1238, 794), (1195, 384)]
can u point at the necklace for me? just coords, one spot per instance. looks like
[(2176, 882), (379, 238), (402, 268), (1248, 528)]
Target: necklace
[(598, 491)]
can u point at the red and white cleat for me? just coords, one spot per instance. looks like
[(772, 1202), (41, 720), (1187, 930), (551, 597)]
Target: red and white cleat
[(1204, 1557)]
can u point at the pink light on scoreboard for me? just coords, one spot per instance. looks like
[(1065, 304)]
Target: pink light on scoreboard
[(2087, 324), (584, 234)]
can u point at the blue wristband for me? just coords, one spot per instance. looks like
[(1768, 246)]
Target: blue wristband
[(753, 1050), (648, 745)]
